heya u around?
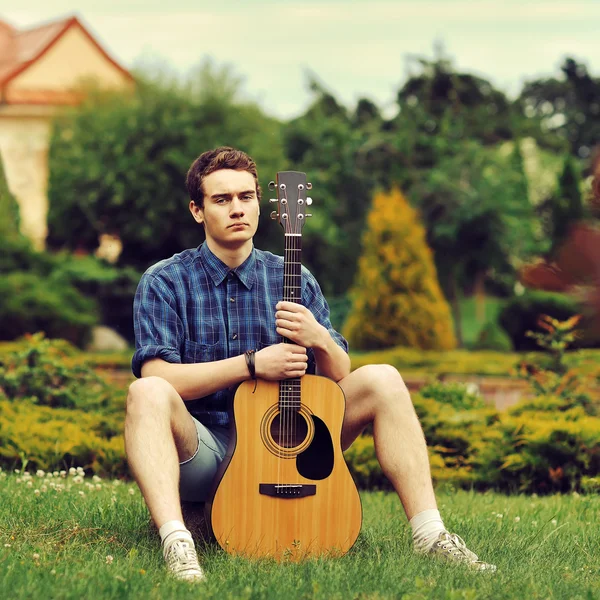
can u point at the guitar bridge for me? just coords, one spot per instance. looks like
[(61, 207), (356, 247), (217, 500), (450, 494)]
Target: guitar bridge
[(287, 490)]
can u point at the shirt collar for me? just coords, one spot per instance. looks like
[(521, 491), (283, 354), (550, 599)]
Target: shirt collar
[(218, 270)]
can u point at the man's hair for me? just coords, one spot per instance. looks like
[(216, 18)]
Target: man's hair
[(210, 161)]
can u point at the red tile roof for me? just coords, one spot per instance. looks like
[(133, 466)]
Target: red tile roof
[(19, 49)]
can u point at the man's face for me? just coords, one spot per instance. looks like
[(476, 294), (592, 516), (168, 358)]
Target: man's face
[(230, 213)]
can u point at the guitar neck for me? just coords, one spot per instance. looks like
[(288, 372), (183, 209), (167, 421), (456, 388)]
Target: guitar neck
[(292, 268)]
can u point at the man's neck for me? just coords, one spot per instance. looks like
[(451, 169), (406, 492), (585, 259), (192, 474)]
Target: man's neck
[(232, 257)]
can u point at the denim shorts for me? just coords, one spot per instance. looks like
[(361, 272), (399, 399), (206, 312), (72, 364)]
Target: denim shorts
[(196, 474)]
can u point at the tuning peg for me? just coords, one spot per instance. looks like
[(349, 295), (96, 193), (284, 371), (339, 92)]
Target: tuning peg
[(274, 200), (309, 186), (272, 185), (309, 214), (308, 200), (274, 215)]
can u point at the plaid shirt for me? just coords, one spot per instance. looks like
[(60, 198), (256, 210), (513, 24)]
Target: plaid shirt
[(193, 308)]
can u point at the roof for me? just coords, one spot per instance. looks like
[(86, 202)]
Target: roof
[(20, 49)]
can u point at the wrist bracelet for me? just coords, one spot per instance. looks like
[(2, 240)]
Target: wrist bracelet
[(249, 355)]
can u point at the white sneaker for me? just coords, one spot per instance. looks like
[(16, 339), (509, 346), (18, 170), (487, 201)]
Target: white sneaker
[(182, 560), (451, 547)]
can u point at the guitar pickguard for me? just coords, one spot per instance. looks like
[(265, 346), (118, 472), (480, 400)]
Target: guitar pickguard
[(316, 462)]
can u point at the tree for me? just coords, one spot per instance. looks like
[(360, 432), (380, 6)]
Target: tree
[(567, 106), (478, 215), (118, 164), (566, 206), (396, 297), (9, 209)]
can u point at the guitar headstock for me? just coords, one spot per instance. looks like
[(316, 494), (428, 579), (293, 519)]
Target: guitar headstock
[(291, 201)]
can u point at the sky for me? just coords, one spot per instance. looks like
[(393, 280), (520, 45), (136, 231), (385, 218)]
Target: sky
[(355, 48)]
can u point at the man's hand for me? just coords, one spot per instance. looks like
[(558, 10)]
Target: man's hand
[(299, 325), (280, 361)]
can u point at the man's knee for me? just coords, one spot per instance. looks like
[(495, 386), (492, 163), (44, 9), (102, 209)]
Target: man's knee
[(150, 393), (384, 382)]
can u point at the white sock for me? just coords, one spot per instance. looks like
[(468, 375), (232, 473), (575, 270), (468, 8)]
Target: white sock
[(426, 526), (174, 530)]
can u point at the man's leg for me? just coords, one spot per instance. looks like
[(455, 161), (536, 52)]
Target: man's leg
[(159, 434), (377, 394)]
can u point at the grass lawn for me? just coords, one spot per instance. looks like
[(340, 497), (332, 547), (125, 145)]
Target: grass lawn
[(93, 539)]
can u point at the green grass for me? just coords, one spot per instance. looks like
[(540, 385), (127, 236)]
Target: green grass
[(54, 544), (470, 325)]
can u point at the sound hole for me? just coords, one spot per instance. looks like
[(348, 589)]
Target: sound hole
[(289, 429)]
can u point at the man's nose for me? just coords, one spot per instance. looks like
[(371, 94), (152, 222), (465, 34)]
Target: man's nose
[(237, 206)]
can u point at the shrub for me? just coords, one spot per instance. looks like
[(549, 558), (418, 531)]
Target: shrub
[(31, 303), (396, 297), (521, 313), (58, 438), (456, 395), (41, 373), (112, 288)]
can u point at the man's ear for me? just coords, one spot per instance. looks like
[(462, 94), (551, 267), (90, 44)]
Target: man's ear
[(197, 212)]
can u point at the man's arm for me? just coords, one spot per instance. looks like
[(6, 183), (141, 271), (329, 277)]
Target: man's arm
[(280, 361), (200, 379)]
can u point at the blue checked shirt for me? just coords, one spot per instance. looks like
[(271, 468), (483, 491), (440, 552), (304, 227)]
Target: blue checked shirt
[(193, 308)]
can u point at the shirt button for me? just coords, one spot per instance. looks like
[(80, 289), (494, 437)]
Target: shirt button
[(231, 299), (234, 336)]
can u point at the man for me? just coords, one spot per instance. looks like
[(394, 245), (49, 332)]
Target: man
[(196, 314)]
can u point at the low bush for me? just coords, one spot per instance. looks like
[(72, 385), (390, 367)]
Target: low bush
[(31, 303), (42, 373), (521, 313)]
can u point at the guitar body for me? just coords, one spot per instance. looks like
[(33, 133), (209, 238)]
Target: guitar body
[(286, 491)]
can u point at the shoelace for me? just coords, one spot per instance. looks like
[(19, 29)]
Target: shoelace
[(454, 544), (182, 557)]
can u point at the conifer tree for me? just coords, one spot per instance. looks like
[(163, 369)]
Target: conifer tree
[(567, 207), (9, 209), (396, 296)]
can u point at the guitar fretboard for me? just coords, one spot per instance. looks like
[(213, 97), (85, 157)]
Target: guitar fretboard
[(289, 389)]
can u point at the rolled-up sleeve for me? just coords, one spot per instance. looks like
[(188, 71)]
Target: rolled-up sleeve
[(314, 300), (157, 326)]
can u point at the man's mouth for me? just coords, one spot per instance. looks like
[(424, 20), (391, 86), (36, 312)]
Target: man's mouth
[(238, 225)]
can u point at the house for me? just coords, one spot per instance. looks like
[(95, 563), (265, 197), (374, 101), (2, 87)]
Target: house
[(41, 71)]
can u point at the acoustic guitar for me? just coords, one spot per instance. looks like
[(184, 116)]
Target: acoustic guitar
[(284, 490)]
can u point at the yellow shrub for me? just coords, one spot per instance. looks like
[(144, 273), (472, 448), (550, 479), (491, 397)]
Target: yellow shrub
[(396, 297)]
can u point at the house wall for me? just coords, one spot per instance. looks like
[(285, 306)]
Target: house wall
[(24, 143)]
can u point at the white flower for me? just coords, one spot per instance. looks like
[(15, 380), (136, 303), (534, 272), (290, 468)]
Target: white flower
[(55, 474), (36, 492), (499, 515), (82, 493), (29, 484), (7, 545), (96, 479), (109, 559), (517, 519), (98, 486), (44, 488), (36, 556), (77, 479), (63, 473), (131, 491), (40, 473), (72, 471), (554, 521)]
